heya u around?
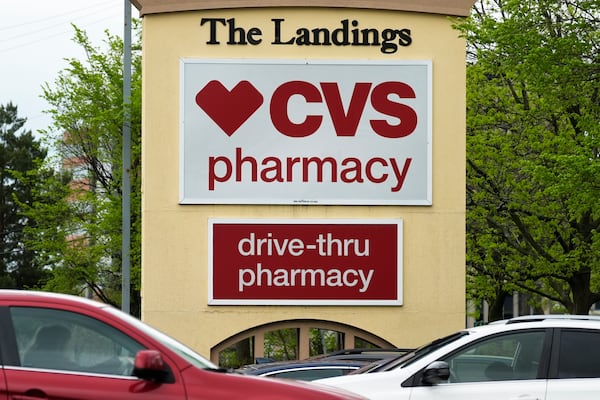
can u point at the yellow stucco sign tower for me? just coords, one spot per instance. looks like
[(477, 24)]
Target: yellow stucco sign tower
[(303, 161)]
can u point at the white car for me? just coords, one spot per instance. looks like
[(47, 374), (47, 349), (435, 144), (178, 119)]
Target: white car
[(542, 357)]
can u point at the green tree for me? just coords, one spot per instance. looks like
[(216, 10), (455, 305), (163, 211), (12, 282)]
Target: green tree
[(81, 230), (533, 148), (20, 155), (282, 344), (323, 341)]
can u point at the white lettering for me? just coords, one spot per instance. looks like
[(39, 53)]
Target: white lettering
[(305, 277), (330, 246), (365, 280), (251, 277), (269, 246), (326, 246)]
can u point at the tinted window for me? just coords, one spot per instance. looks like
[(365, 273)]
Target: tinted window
[(505, 357), (415, 355), (62, 340), (579, 354)]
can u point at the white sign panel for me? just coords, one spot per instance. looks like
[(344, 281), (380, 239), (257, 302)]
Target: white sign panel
[(305, 132)]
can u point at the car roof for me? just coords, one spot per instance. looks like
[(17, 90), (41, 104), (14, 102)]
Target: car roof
[(541, 321), (548, 317), (506, 325), (363, 354), (256, 369), (48, 297)]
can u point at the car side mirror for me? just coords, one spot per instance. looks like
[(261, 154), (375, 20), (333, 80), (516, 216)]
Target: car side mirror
[(149, 365), (436, 372)]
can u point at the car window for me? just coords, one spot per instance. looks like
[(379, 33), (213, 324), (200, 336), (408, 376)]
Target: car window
[(182, 350), (579, 353), (505, 357), (62, 340), (420, 352)]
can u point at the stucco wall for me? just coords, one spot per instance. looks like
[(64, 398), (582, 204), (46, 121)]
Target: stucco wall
[(175, 237)]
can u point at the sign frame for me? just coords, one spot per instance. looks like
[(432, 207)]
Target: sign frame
[(194, 181), (398, 295)]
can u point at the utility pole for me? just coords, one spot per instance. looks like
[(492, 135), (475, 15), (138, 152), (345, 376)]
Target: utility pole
[(126, 161)]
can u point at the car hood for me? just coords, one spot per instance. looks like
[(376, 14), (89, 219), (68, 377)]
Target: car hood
[(217, 386), (363, 384)]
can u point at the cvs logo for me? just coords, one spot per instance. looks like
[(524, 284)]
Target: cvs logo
[(230, 109)]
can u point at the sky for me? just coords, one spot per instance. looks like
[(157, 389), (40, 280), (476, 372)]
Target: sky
[(36, 37)]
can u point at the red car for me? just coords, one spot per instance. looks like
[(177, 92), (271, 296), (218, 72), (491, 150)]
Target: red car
[(65, 347)]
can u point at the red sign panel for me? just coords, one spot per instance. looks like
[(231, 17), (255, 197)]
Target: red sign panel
[(326, 262)]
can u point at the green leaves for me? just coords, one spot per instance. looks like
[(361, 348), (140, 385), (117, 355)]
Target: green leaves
[(532, 150), (79, 230)]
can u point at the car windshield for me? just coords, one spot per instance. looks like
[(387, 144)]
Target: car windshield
[(411, 357), (175, 346)]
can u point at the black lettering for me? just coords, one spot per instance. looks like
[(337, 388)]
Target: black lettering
[(388, 45), (354, 32), (348, 33), (213, 28), (367, 40), (321, 37), (405, 39), (277, 34), (343, 31), (233, 31), (251, 36), (303, 38)]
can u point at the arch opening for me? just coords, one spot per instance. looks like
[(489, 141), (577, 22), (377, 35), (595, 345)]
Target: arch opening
[(291, 340)]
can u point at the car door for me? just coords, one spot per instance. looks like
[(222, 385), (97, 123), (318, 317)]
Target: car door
[(59, 354), (3, 393), (575, 365), (507, 366)]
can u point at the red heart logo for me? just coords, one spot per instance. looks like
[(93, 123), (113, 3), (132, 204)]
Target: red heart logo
[(229, 109)]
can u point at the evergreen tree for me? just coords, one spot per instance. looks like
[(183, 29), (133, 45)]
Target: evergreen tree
[(20, 155)]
